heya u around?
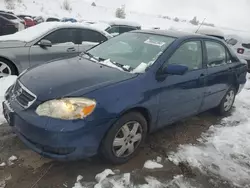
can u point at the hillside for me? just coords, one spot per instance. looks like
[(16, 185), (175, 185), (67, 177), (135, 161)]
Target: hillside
[(82, 9)]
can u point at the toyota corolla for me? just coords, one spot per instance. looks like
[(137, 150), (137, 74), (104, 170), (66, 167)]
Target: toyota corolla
[(107, 100)]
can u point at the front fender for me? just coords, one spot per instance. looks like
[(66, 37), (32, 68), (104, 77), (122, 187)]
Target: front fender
[(114, 100)]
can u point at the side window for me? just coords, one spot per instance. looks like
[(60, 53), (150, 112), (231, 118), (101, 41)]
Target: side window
[(114, 29), (124, 29), (88, 35), (188, 54), (62, 36), (216, 54)]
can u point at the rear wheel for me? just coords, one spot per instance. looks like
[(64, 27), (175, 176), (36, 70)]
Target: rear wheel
[(227, 102), (6, 68), (124, 138)]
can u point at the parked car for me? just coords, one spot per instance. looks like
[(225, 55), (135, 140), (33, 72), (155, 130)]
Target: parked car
[(44, 42), (7, 26), (99, 103), (73, 20), (29, 21), (40, 19), (20, 23), (117, 27), (241, 47), (212, 32)]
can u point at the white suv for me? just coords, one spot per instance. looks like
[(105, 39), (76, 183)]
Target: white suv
[(241, 47)]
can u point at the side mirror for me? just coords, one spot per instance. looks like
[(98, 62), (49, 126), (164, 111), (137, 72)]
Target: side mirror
[(45, 43), (175, 69)]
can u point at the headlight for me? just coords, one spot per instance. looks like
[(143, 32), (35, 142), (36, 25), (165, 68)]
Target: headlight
[(67, 108)]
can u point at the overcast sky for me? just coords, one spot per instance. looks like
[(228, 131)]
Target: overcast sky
[(228, 13)]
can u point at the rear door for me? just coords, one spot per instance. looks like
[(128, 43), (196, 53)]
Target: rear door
[(219, 73), (89, 38), (63, 45)]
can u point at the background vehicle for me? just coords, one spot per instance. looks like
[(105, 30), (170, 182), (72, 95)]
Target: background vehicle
[(29, 21), (45, 42), (40, 19), (20, 23), (117, 27), (73, 20), (7, 26), (212, 32), (241, 47), (88, 110)]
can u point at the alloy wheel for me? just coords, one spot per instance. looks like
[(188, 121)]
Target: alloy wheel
[(127, 139), (4, 70), (229, 100)]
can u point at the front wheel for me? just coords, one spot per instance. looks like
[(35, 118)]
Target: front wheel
[(124, 138), (227, 102)]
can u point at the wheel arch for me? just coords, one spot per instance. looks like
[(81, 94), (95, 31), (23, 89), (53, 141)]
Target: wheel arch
[(143, 111), (8, 60)]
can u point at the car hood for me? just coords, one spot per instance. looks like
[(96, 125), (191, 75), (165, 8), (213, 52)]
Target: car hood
[(11, 43), (70, 77)]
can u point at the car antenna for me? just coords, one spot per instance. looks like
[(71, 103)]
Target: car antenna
[(200, 25)]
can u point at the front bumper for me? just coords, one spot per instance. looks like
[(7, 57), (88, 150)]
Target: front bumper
[(57, 139)]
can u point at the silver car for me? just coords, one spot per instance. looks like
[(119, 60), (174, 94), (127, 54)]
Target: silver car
[(46, 42)]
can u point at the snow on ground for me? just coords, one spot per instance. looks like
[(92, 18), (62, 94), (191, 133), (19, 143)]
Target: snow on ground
[(5, 83), (152, 165), (224, 149)]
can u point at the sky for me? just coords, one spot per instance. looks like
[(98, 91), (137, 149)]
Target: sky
[(226, 13)]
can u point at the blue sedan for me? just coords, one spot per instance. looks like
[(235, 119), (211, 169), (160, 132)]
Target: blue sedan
[(107, 100)]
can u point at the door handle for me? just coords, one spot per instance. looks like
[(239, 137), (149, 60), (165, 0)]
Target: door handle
[(71, 49)]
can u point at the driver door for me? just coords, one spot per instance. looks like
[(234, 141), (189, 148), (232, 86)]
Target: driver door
[(182, 95), (63, 45)]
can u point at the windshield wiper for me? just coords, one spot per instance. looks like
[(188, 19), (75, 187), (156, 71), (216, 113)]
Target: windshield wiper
[(91, 56), (123, 67)]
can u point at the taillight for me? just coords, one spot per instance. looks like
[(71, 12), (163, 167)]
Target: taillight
[(240, 51)]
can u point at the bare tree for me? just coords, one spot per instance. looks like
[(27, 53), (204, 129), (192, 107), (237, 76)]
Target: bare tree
[(93, 4), (176, 19), (120, 12), (194, 21), (10, 4), (66, 5)]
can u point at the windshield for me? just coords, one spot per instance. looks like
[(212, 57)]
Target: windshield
[(134, 50)]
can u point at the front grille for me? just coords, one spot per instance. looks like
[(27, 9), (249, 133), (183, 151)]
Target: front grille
[(22, 95)]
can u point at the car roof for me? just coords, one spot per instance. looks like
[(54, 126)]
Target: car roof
[(175, 34), (44, 28), (124, 22)]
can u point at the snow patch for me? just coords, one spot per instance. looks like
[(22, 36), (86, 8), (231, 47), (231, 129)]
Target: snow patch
[(5, 83), (140, 68), (101, 176), (2, 164), (11, 160), (152, 165), (224, 149)]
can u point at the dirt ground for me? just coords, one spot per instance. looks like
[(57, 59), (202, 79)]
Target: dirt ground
[(33, 171)]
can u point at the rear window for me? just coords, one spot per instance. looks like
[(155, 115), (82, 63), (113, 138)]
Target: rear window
[(232, 41), (246, 45)]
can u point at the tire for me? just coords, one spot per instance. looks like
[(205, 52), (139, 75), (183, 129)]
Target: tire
[(9, 69), (229, 98), (122, 132)]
